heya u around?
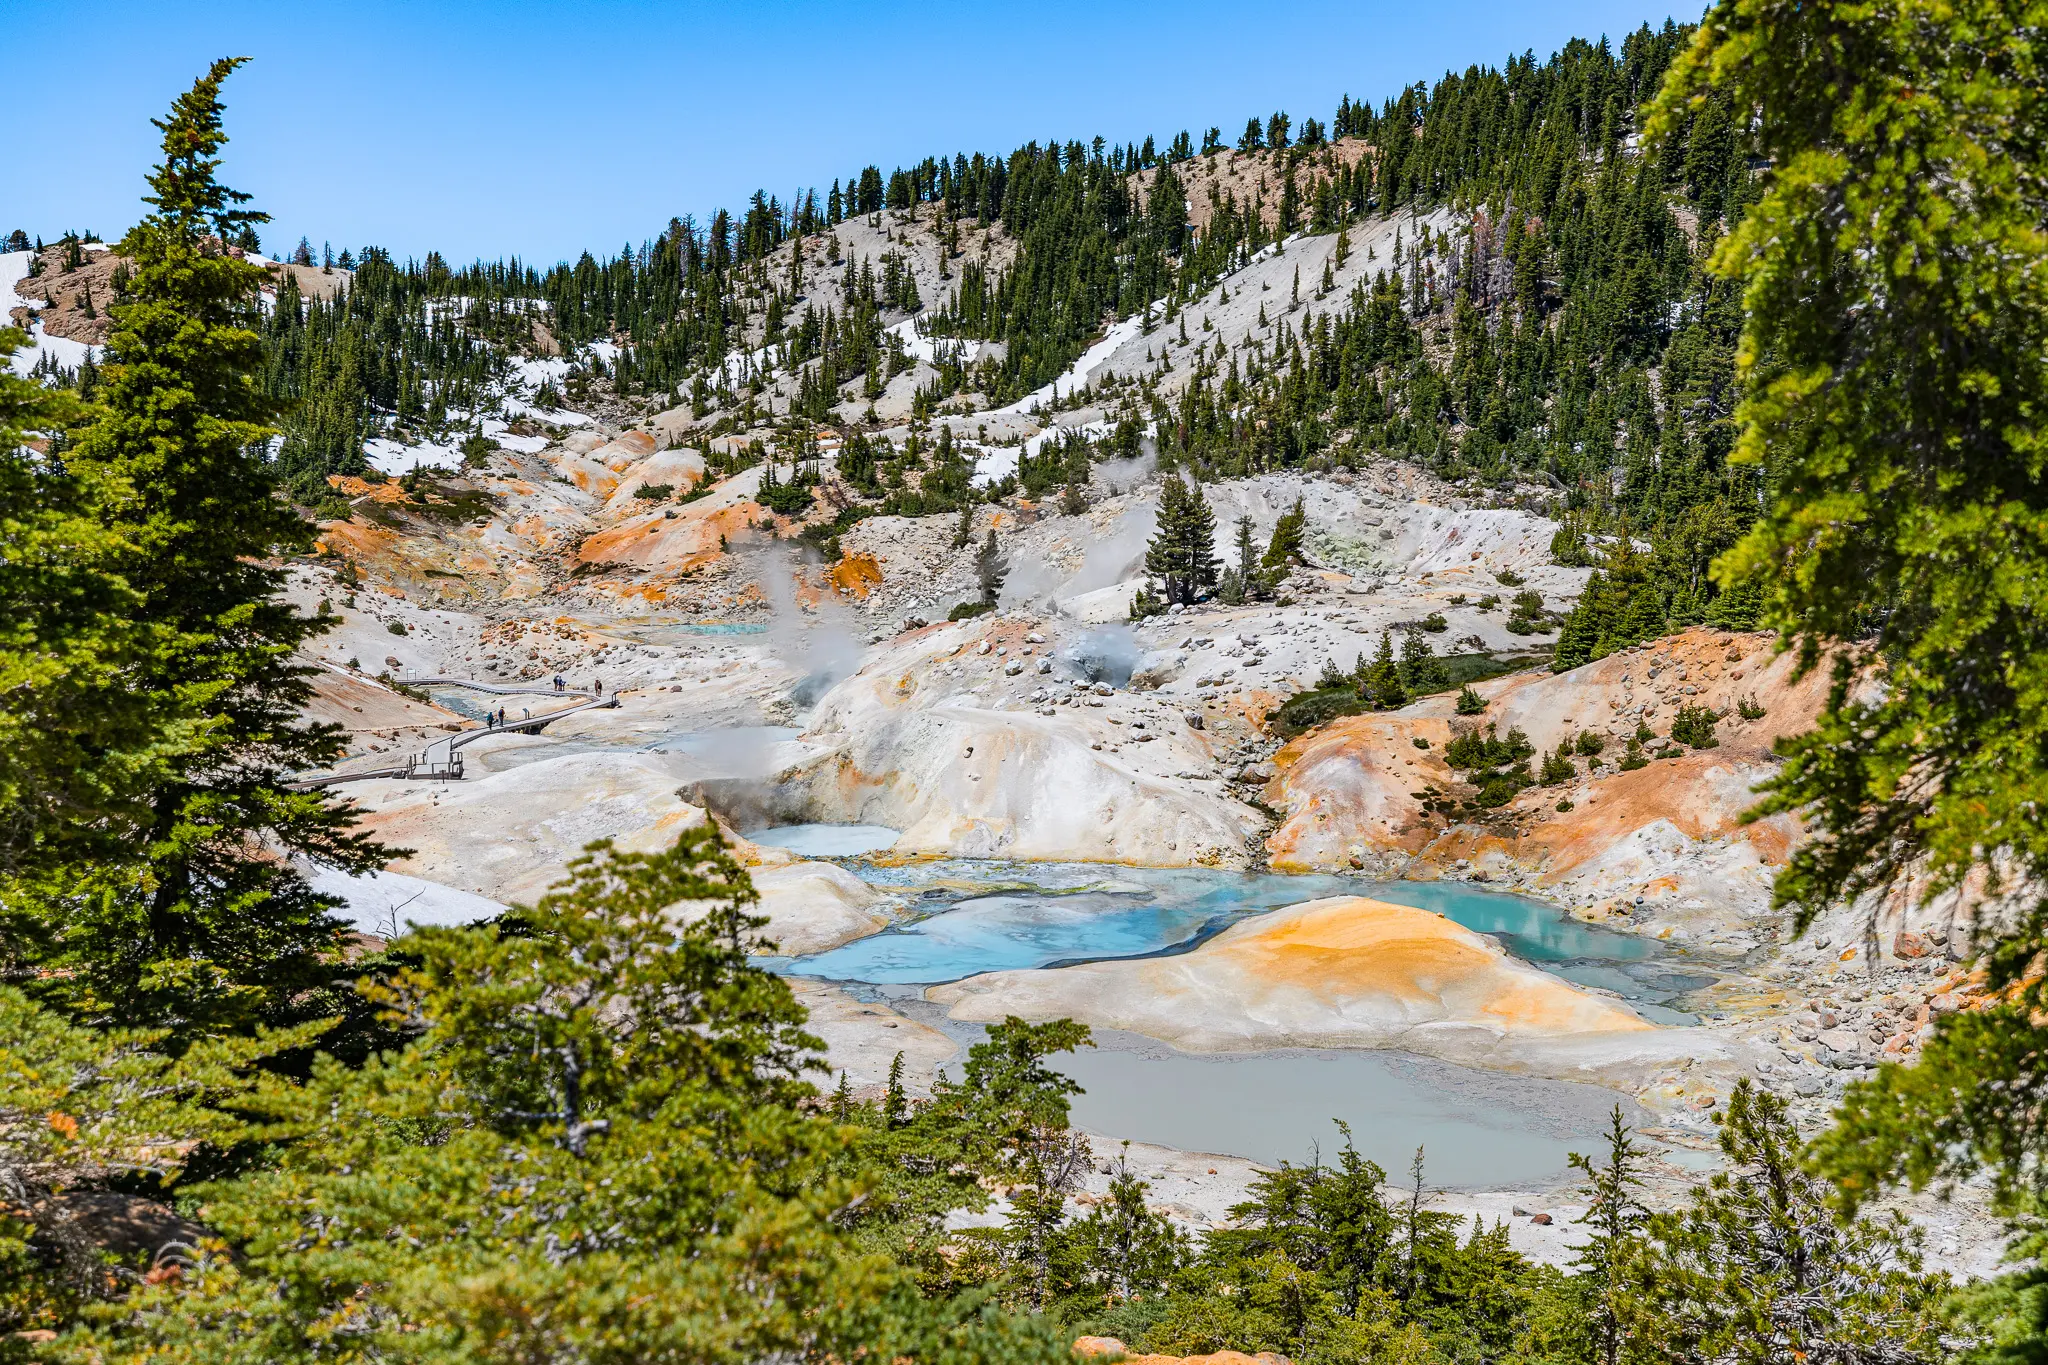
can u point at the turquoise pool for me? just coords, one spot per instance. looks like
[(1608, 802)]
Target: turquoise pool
[(965, 916)]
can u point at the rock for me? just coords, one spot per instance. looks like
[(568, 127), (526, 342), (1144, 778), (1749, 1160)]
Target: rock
[(1807, 1086), (814, 907), (893, 744), (1013, 668), (983, 648), (1100, 1346), (1542, 1220), (1194, 720), (1908, 944), (123, 1225)]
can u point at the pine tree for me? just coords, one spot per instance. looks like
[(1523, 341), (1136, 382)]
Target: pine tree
[(1182, 554), (68, 728), (84, 1107), (1615, 1215), (1421, 671), (174, 906), (1557, 766), (1381, 684), (1251, 582), (1283, 551), (990, 569), (895, 1104), (1761, 1266)]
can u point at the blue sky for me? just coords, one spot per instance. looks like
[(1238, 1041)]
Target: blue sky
[(543, 130)]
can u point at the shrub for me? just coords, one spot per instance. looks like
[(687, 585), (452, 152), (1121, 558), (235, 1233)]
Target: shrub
[(1508, 578), (1749, 708), (395, 627), (1557, 766), (1694, 727), (1632, 757), (476, 448), (654, 492), (1470, 751), (965, 610), (1470, 703), (1419, 742), (788, 499), (1528, 603), (1644, 734), (1564, 806), (1500, 788), (1590, 742), (1435, 624), (1487, 603), (1669, 751)]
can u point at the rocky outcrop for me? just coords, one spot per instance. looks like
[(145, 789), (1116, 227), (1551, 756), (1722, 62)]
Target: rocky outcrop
[(1344, 972), (1667, 840), (815, 907), (926, 738), (681, 538), (595, 465)]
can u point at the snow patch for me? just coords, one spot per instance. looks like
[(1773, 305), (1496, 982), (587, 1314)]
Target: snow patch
[(1091, 360), (66, 352), (928, 349), (394, 457)]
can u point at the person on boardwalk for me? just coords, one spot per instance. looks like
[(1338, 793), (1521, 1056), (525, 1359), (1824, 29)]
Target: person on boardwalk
[(599, 685)]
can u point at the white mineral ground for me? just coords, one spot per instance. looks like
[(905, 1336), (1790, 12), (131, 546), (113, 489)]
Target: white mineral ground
[(763, 689)]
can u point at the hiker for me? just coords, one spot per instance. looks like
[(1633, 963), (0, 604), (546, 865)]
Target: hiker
[(599, 685)]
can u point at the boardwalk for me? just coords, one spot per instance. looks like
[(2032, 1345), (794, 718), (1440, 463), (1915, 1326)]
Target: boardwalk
[(442, 760)]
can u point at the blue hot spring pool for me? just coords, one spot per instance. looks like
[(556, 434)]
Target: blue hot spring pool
[(967, 916)]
